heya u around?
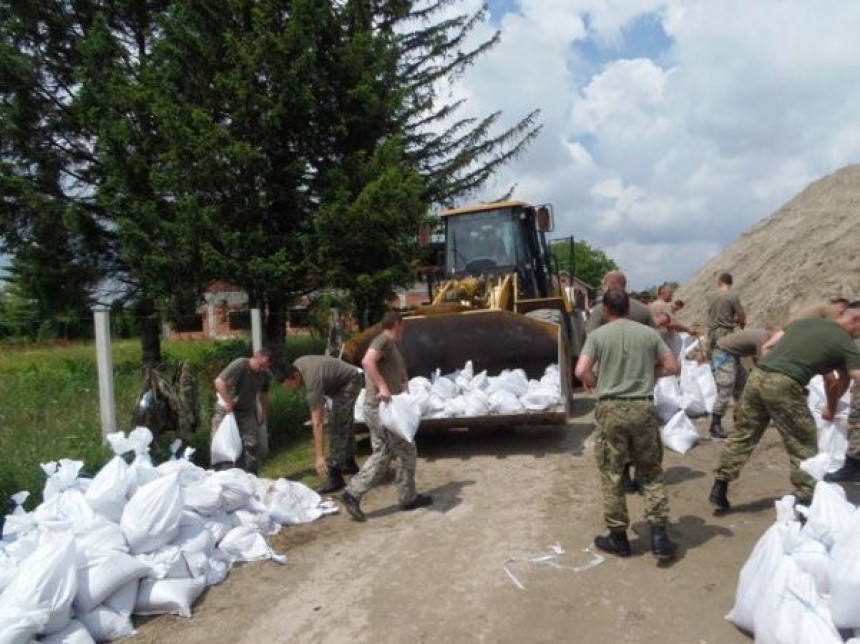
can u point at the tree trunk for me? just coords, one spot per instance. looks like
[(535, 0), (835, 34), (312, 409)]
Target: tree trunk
[(150, 333), (275, 325)]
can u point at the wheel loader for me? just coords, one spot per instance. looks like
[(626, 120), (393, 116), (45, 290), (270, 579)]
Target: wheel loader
[(496, 303)]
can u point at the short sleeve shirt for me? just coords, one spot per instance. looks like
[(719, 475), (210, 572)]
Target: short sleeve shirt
[(323, 376), (391, 366), (244, 384), (638, 313), (723, 307), (743, 343), (810, 347), (626, 353)]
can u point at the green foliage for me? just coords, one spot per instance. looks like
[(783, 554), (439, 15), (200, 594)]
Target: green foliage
[(589, 264)]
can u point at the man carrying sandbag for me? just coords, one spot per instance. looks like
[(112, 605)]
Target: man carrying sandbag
[(630, 356), (730, 375), (322, 376), (238, 386), (386, 374), (776, 391)]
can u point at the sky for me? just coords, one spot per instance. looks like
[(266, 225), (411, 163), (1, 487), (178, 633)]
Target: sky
[(669, 128)]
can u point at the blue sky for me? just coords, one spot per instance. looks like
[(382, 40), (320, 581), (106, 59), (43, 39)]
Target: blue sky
[(670, 127)]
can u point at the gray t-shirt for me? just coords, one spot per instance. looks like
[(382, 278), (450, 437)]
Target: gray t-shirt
[(244, 384), (743, 343), (323, 376), (626, 353), (391, 365), (723, 308)]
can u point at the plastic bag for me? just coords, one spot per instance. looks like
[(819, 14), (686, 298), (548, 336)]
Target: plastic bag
[(401, 416), (845, 575), (226, 441), (679, 434), (151, 517)]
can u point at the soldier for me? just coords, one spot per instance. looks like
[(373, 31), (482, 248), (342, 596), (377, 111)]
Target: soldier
[(238, 387), (639, 312), (629, 356), (776, 391), (724, 312), (729, 374), (386, 376), (323, 376), (850, 471)]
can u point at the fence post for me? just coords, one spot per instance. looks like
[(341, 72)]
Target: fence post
[(104, 361), (256, 330)]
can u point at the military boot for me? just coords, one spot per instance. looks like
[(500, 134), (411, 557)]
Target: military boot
[(661, 546), (848, 472), (716, 429), (719, 494), (615, 543), (334, 482), (350, 467)]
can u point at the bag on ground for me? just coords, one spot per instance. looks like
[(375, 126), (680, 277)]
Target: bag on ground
[(679, 434)]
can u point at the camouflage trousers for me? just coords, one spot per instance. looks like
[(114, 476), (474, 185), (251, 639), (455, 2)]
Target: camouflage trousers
[(386, 446), (713, 336), (730, 377), (854, 424), (771, 396), (341, 423), (249, 430), (629, 432)]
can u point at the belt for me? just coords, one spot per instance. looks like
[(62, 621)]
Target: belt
[(602, 398)]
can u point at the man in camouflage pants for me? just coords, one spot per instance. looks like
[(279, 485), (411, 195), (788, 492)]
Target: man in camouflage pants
[(776, 391), (629, 357), (850, 471), (386, 376)]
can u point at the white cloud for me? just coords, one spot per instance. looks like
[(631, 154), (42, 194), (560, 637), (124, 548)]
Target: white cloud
[(662, 161)]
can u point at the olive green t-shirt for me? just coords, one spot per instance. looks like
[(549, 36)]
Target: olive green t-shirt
[(723, 307), (638, 313), (244, 384), (626, 353), (323, 376), (391, 366), (810, 347), (743, 343)]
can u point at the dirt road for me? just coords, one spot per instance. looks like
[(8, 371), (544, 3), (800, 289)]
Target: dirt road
[(438, 574)]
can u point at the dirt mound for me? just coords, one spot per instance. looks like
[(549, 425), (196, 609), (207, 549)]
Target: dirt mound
[(806, 252)]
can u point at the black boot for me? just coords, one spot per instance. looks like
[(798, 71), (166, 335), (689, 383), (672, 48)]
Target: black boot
[(719, 494), (614, 543), (848, 472), (334, 482), (352, 505), (350, 467), (716, 429), (661, 546)]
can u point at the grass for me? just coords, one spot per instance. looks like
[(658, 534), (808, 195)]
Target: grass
[(50, 409)]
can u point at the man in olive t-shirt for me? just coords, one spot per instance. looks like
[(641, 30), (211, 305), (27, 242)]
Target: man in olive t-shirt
[(638, 311), (776, 391), (724, 312), (629, 357), (322, 376)]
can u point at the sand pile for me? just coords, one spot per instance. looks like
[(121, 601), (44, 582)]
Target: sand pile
[(806, 252)]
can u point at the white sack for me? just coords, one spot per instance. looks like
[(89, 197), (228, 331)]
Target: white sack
[(246, 544), (173, 596), (141, 470), (828, 514), (123, 599), (668, 398), (477, 403), (358, 409), (679, 434), (106, 625), (19, 625), (698, 383), (237, 488), (845, 575), (504, 402), (514, 381), (444, 388), (204, 497), (74, 633), (539, 398), (103, 576), (401, 416), (226, 441), (108, 491), (151, 518)]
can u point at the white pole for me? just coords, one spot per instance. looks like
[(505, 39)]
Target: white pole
[(256, 330), (104, 361)]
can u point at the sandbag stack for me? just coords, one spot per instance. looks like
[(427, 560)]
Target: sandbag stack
[(134, 540)]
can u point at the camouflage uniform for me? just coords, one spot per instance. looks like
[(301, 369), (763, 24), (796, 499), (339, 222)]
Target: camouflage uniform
[(771, 396), (628, 432), (341, 431), (713, 336), (730, 378), (385, 446)]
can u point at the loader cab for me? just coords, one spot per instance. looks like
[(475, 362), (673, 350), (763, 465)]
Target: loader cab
[(495, 239)]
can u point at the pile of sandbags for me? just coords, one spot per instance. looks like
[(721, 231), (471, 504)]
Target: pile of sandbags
[(136, 539), (802, 581)]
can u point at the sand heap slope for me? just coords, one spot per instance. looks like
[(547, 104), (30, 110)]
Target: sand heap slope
[(806, 252)]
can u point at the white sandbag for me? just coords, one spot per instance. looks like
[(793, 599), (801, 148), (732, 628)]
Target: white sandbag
[(193, 535), (832, 445), (758, 570), (293, 503), (845, 575), (539, 398), (62, 475), (243, 543), (505, 402), (204, 497), (401, 416), (444, 388), (103, 576), (698, 385), (812, 557), (151, 517), (679, 434), (455, 407), (828, 514), (226, 444), (123, 599), (218, 569), (794, 611), (65, 507), (237, 488), (103, 538), (74, 633), (358, 409), (105, 625), (668, 398), (47, 580), (20, 625), (141, 470), (420, 383), (107, 493), (168, 596), (421, 397), (166, 562), (218, 524), (477, 403), (514, 381)]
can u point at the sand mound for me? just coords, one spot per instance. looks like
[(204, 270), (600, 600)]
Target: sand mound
[(806, 252)]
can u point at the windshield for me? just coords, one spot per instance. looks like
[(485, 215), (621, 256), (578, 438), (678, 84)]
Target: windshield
[(483, 242)]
